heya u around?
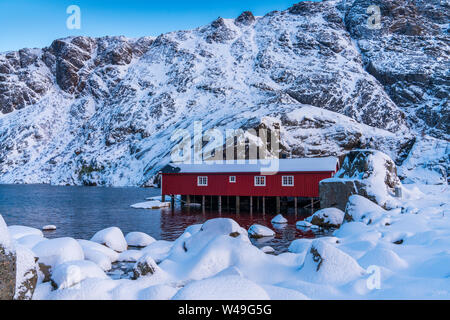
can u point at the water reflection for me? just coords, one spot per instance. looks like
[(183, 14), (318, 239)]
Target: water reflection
[(79, 212)]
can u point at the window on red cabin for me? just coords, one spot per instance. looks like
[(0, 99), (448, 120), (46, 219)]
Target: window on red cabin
[(232, 179), (260, 181), (287, 181), (202, 181)]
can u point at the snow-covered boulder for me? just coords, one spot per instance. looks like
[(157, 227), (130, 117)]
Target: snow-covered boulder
[(301, 248), (139, 239), (281, 293), (158, 249), (71, 273), (382, 257), (112, 238), (259, 231), (145, 266), (5, 237), (26, 273), (211, 230), (18, 272), (56, 251), (130, 255), (99, 254), (328, 218), (7, 264), (369, 173), (300, 245), (98, 257), (212, 250), (222, 288), (17, 232), (326, 264), (158, 292), (30, 241), (279, 219), (112, 255), (361, 209)]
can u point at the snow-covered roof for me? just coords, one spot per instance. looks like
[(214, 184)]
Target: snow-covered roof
[(274, 165)]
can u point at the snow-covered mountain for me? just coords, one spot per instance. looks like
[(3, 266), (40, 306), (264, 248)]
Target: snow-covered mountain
[(102, 110)]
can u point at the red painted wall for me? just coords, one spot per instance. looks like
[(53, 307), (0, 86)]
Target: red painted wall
[(305, 184)]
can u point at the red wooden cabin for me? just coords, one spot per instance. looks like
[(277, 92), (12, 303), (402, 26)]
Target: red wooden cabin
[(292, 178)]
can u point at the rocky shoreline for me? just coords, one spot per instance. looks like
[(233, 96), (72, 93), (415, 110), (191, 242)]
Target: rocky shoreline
[(379, 245)]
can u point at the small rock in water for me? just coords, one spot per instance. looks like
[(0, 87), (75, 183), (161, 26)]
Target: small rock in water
[(328, 218), (259, 231), (303, 224), (279, 219), (138, 239), (268, 250), (49, 227)]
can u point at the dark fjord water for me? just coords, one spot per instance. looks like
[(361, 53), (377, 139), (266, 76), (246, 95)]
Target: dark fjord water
[(80, 212)]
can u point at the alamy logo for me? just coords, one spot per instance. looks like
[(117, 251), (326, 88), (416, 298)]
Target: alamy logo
[(374, 280), (236, 146), (374, 21), (74, 20)]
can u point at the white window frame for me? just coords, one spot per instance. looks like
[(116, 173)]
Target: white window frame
[(285, 181), (232, 179), (202, 181), (258, 181)]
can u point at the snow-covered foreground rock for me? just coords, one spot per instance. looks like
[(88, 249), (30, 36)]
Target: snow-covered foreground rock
[(402, 253), (327, 218), (259, 231)]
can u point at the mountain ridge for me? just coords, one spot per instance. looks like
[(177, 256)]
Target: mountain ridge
[(101, 111)]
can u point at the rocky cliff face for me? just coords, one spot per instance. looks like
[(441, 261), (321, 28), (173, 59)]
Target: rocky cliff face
[(102, 111), (409, 55)]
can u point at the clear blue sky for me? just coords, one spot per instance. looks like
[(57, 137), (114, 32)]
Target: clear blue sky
[(36, 23)]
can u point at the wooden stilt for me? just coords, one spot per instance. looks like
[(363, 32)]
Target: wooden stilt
[(295, 205), (312, 205), (263, 205), (220, 204), (278, 205), (257, 203), (203, 202), (172, 201), (238, 204), (251, 205), (163, 198)]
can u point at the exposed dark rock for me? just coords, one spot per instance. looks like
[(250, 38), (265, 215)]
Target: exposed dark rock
[(219, 32), (7, 274), (246, 18), (336, 193), (27, 275), (368, 173), (404, 53), (328, 218), (316, 257), (46, 271), (145, 266)]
